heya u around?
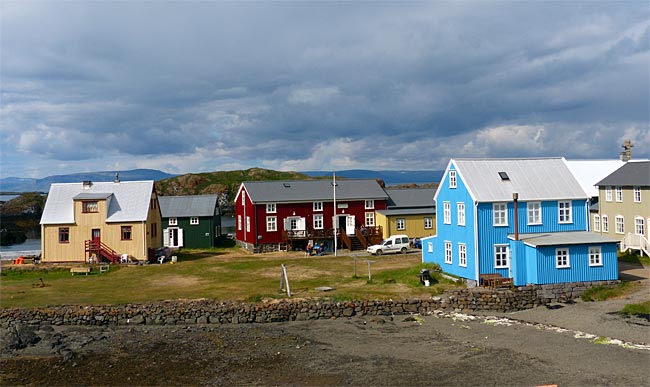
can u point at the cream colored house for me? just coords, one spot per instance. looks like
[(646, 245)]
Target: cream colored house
[(410, 211), (624, 206), (106, 221)]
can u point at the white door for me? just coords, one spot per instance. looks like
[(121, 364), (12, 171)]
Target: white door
[(349, 225)]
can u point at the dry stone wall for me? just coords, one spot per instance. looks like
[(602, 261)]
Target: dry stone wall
[(216, 312)]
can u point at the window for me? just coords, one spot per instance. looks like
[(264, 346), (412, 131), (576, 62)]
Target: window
[(271, 223), (90, 206), (500, 213), (447, 212), (619, 194), (400, 224), (239, 225), (194, 220), (369, 204), (248, 224), (430, 247), (64, 235), (500, 256), (564, 212), (596, 223), (452, 179), (461, 213), (562, 258), (126, 233), (318, 222), (637, 194), (619, 224), (447, 252), (534, 213), (608, 194), (370, 219), (154, 230), (428, 223), (243, 198), (639, 226), (270, 208), (462, 254), (318, 206), (595, 256), (605, 223), (173, 221), (152, 203)]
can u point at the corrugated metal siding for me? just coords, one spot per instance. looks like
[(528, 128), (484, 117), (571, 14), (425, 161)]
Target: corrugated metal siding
[(580, 270)]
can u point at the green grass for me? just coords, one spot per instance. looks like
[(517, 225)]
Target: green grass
[(628, 256), (640, 310), (602, 293), (223, 274)]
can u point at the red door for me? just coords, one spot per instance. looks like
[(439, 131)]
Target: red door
[(96, 236)]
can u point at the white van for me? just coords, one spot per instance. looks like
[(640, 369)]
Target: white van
[(392, 244)]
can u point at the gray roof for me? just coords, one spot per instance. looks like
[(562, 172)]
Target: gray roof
[(278, 191), (408, 211), (186, 206), (563, 238), (531, 178), (128, 201), (633, 173), (590, 172), (410, 197)]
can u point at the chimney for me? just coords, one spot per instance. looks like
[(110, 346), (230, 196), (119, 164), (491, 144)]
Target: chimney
[(626, 155), (515, 199), (117, 178), (87, 184)]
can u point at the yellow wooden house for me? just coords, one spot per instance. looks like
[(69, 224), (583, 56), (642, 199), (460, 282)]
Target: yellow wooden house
[(101, 221), (410, 211)]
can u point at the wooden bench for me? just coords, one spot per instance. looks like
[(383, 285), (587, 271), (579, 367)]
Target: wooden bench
[(495, 280), (79, 270), (104, 268)]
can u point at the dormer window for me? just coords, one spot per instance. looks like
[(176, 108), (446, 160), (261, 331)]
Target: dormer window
[(90, 206)]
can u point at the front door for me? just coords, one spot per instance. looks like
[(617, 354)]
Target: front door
[(96, 236)]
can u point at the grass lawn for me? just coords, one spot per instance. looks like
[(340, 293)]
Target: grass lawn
[(222, 274)]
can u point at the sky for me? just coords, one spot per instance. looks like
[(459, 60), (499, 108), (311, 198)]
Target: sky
[(201, 86)]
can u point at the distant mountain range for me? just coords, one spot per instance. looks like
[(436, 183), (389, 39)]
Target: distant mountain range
[(20, 184)]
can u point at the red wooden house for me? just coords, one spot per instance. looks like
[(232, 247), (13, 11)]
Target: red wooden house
[(280, 215)]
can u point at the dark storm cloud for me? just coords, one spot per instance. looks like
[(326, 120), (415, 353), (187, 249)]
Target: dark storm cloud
[(213, 85)]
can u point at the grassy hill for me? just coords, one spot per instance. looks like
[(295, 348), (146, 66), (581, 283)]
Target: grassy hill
[(20, 218)]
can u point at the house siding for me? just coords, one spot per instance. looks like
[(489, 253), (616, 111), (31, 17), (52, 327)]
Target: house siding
[(194, 235), (628, 208), (414, 225)]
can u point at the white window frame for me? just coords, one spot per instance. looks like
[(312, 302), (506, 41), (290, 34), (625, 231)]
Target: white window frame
[(597, 223), (173, 221), (637, 194), (369, 204), (639, 226), (194, 220), (243, 198), (446, 208), (595, 256), (248, 224), (619, 194), (619, 224), (271, 208), (564, 212), (428, 223), (462, 255), (448, 253), (271, 223), (318, 206), (239, 223), (319, 222), (461, 213), (562, 258), (499, 214), (400, 224), (605, 223), (370, 219), (608, 194), (501, 259), (453, 183), (534, 210)]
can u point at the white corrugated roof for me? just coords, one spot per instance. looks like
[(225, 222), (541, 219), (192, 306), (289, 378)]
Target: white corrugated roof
[(590, 172), (531, 178), (128, 200)]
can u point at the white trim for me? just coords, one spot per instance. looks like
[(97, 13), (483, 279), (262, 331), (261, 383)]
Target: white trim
[(460, 213), (535, 210), (592, 250), (449, 249), (446, 212), (494, 249), (568, 258), (622, 224), (504, 210), (462, 254), (569, 212)]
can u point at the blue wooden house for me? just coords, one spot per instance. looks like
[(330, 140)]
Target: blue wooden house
[(524, 219)]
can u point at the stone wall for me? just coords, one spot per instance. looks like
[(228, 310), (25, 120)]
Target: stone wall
[(216, 312)]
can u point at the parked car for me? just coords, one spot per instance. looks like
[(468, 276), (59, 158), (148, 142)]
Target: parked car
[(392, 244)]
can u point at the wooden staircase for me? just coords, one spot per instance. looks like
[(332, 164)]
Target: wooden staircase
[(635, 242), (356, 243), (101, 250)]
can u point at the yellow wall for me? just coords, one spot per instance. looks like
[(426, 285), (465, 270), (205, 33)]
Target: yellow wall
[(414, 225), (111, 235)]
